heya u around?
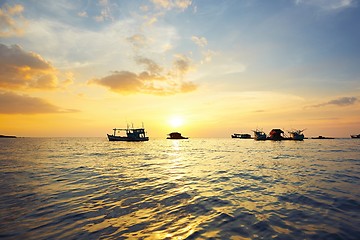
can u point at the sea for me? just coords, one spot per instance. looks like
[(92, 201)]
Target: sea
[(90, 188)]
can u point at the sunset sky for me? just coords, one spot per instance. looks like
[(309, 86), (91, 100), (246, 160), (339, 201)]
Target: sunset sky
[(206, 68)]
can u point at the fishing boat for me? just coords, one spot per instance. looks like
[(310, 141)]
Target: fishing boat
[(355, 136), (322, 137), (241, 135), (132, 135), (276, 134), (176, 135), (297, 135), (259, 135)]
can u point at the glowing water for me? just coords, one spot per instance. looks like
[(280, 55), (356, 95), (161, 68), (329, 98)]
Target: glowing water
[(89, 188)]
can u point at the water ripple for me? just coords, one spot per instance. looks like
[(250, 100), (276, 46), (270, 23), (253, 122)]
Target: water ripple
[(198, 189)]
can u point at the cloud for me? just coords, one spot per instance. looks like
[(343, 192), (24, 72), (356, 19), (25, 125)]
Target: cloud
[(105, 13), (11, 103), (121, 81), (169, 4), (82, 14), (154, 80), (23, 70), (343, 101), (153, 68), (182, 65), (207, 56), (138, 41), (12, 22), (200, 41), (161, 7), (328, 4), (182, 4)]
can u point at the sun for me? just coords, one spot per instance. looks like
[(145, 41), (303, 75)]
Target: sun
[(176, 121)]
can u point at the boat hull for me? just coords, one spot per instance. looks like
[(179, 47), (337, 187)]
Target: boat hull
[(127, 139), (355, 136), (6, 136), (177, 138), (241, 136), (321, 137)]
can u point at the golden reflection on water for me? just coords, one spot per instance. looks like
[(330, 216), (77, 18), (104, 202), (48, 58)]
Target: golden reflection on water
[(184, 188)]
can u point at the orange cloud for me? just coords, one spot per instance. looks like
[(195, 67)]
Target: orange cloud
[(11, 20), (152, 81), (25, 70), (11, 103)]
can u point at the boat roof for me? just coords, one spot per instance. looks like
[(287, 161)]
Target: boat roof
[(127, 129), (277, 130)]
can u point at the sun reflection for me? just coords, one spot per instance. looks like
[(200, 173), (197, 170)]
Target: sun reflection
[(176, 145)]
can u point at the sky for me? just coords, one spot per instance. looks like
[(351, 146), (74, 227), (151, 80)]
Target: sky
[(205, 68)]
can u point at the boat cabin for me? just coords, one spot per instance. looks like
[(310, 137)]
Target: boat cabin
[(176, 135), (276, 134)]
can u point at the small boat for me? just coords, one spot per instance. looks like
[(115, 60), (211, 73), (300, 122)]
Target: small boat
[(297, 135), (259, 135), (322, 137), (132, 135), (355, 136), (6, 136), (176, 135), (241, 135), (276, 134)]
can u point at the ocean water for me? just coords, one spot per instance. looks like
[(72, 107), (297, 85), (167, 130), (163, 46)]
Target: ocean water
[(89, 188)]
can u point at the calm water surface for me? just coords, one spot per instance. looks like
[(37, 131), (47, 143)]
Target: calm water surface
[(89, 188)]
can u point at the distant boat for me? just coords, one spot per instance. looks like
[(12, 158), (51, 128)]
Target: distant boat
[(297, 135), (355, 136), (259, 135), (176, 135), (132, 135), (277, 134), (241, 135), (322, 137), (6, 136)]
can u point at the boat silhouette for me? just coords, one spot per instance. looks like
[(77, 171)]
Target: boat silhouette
[(176, 135), (132, 135)]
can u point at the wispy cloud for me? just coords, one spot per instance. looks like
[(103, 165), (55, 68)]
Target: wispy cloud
[(12, 22), (161, 7), (82, 14), (328, 4), (169, 4), (343, 101), (207, 56), (11, 103), (200, 41), (23, 70), (137, 41), (105, 12)]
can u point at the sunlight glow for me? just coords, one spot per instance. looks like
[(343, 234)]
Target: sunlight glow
[(176, 121)]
